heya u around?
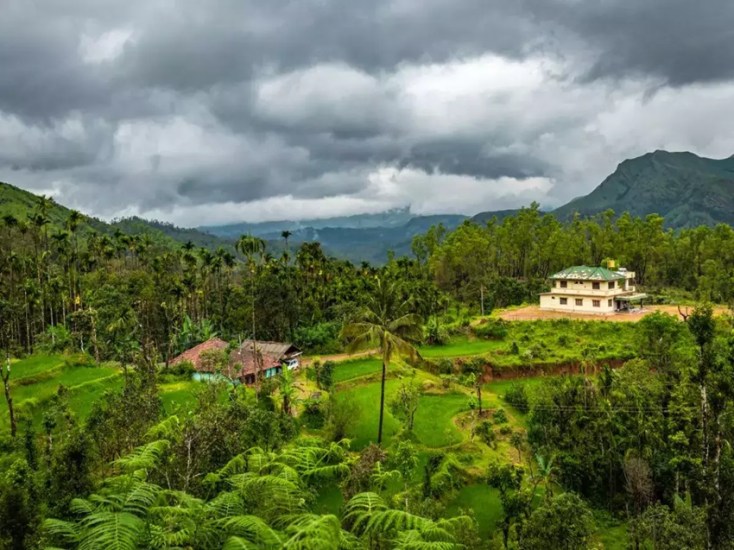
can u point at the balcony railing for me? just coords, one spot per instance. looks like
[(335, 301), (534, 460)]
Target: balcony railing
[(602, 292)]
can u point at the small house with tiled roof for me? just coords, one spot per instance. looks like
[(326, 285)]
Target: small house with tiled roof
[(197, 353), (584, 289), (268, 358), (245, 361)]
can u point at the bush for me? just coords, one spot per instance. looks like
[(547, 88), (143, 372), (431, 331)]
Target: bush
[(184, 368), (79, 360), (514, 349), (342, 413), (445, 366), (325, 376), (485, 432), (55, 339), (313, 415), (437, 334), (564, 340), (500, 416), (518, 397), (493, 329)]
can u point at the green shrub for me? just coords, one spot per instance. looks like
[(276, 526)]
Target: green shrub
[(505, 429), (518, 397), (437, 334), (500, 416), (79, 360), (564, 340), (313, 415), (485, 432), (492, 329), (445, 366), (514, 349), (184, 368)]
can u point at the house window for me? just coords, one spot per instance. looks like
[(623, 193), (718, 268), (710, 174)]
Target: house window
[(579, 301), (609, 303), (564, 284), (595, 286), (564, 301), (596, 303), (611, 284)]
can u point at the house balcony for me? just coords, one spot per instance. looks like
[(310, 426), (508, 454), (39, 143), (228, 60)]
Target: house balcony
[(602, 292)]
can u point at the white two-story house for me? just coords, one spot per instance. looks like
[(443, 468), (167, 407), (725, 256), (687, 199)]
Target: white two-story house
[(584, 289)]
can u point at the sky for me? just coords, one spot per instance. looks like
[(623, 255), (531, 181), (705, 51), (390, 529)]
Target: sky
[(222, 111)]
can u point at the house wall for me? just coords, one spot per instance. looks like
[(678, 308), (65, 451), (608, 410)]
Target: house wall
[(553, 301)]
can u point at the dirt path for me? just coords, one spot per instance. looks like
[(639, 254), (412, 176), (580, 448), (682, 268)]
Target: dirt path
[(532, 313)]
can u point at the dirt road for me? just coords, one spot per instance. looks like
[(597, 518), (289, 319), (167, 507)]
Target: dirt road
[(532, 313)]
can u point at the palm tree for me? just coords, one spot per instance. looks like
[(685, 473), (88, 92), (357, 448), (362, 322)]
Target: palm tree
[(286, 235), (253, 248), (387, 323)]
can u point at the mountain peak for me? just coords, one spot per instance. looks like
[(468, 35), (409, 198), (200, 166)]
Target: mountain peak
[(683, 187)]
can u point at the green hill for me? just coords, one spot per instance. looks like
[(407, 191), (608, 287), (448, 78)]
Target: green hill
[(22, 204), (687, 190)]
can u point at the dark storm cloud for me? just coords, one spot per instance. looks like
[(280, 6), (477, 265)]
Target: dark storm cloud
[(152, 104)]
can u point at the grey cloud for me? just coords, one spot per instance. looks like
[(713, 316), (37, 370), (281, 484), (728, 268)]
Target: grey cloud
[(294, 97)]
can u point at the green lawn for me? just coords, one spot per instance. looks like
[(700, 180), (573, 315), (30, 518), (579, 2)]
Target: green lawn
[(35, 365), (434, 426), (179, 397), (364, 428), (460, 347), (356, 368), (31, 389), (484, 502)]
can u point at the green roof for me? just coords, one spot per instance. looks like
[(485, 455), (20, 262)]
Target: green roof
[(586, 273)]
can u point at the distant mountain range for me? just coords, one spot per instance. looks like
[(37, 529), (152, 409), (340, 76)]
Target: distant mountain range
[(687, 190)]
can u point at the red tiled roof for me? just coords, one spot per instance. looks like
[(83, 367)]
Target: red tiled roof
[(242, 359), (269, 354), (193, 355)]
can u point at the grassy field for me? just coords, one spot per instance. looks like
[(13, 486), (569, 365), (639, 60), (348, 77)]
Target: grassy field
[(355, 368), (36, 380), (542, 345)]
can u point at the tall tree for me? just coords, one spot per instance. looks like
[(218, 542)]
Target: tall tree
[(388, 324)]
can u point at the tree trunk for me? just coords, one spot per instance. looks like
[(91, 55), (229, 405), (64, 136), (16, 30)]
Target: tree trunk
[(8, 397), (382, 401)]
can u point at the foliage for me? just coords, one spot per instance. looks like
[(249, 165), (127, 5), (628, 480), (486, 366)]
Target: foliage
[(562, 523), (517, 396), (405, 403)]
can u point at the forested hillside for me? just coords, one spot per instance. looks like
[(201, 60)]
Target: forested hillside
[(24, 207), (687, 190), (452, 430)]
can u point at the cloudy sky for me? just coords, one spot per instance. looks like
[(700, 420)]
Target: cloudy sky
[(233, 110)]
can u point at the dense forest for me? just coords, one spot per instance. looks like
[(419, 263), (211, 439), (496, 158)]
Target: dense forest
[(646, 440)]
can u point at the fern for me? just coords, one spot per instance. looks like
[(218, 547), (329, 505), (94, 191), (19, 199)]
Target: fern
[(253, 530), (169, 429), (145, 457), (112, 530), (313, 532)]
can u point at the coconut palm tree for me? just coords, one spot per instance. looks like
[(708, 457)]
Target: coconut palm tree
[(388, 324)]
